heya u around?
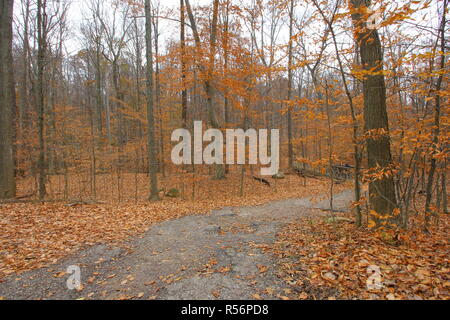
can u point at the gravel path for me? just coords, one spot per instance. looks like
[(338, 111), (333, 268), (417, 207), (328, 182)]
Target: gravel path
[(212, 256)]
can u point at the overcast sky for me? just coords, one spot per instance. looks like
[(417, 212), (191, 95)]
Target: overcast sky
[(168, 29), (77, 7)]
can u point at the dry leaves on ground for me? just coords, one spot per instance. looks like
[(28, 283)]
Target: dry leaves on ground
[(35, 235), (339, 260)]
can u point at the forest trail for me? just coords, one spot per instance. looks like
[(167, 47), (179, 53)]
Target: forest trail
[(214, 256)]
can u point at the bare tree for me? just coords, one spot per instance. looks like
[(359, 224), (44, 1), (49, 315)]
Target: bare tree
[(184, 97), (152, 161), (39, 84), (290, 84)]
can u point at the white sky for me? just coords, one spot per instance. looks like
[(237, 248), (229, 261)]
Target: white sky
[(76, 9), (168, 29)]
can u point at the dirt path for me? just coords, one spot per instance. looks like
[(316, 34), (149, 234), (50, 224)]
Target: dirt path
[(212, 256)]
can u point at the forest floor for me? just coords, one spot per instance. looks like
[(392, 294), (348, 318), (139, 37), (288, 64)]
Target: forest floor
[(256, 247), (34, 235), (215, 256)]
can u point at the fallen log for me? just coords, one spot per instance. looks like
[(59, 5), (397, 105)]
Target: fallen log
[(25, 196), (262, 180), (81, 203), (306, 173)]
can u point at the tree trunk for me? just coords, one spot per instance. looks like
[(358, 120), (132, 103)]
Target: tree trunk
[(40, 97), (226, 103), (330, 145), (152, 162), (382, 197), (184, 98), (444, 190), (98, 91), (290, 66), (437, 117), (212, 116), (7, 103)]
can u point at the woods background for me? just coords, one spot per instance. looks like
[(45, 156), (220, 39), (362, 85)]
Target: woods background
[(89, 102)]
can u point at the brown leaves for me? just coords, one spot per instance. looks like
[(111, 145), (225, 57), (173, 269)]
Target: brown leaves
[(262, 269), (340, 257), (303, 296), (36, 235), (269, 291), (256, 296), (224, 269), (215, 293)]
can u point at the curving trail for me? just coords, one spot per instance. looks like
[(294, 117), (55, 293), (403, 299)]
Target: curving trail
[(214, 256)]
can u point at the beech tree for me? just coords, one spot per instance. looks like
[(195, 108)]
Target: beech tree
[(382, 195)]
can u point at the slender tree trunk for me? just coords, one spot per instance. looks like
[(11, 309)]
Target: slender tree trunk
[(158, 99), (226, 41), (40, 97), (330, 145), (290, 80), (437, 117), (108, 113), (444, 190), (93, 156), (208, 71), (184, 97), (152, 162), (7, 103), (356, 154), (98, 91), (24, 103)]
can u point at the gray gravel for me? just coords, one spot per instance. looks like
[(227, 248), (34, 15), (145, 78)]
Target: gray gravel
[(212, 256)]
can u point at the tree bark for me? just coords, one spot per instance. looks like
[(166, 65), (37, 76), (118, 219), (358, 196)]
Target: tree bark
[(40, 96), (437, 118), (207, 83), (7, 103), (382, 197), (290, 80), (184, 97), (159, 106), (152, 162)]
